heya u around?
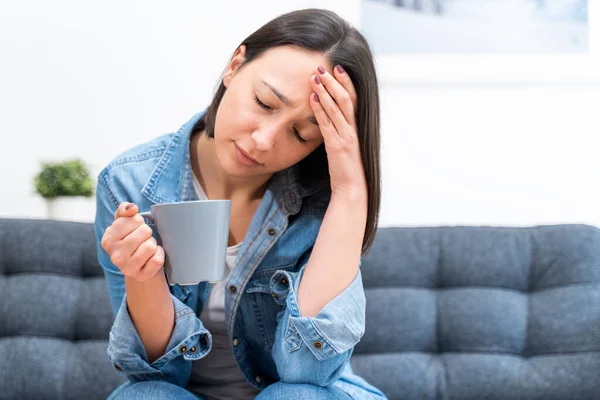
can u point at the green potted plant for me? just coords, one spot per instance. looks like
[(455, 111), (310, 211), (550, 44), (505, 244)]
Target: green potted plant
[(67, 188)]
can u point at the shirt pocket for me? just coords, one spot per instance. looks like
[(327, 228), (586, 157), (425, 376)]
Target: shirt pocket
[(265, 306)]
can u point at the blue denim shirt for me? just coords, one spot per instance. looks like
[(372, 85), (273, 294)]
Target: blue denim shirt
[(271, 341)]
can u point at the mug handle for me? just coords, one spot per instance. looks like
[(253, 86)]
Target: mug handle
[(148, 214)]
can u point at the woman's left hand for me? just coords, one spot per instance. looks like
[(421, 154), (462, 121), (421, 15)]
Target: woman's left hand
[(334, 109)]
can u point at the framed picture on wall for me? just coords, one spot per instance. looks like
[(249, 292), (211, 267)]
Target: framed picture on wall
[(482, 41)]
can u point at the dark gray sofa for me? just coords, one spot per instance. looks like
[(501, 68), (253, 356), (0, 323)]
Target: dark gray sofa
[(452, 313)]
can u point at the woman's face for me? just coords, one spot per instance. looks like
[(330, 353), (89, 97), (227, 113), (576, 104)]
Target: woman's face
[(265, 112)]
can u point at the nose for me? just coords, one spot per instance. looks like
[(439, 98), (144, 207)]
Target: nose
[(265, 136)]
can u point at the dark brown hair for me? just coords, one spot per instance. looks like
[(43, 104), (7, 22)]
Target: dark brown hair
[(325, 32)]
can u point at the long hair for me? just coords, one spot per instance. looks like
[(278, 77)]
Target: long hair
[(323, 31)]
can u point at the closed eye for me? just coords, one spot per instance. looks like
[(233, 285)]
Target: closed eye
[(261, 104), (300, 138)]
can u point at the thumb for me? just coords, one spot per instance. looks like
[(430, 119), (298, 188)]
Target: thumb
[(126, 209), (130, 210)]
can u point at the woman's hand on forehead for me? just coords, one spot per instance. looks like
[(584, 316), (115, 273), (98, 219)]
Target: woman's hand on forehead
[(334, 104)]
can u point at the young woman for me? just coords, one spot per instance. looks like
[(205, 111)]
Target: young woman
[(291, 137)]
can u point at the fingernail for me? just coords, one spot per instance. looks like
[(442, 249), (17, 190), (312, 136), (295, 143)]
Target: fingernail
[(317, 80), (340, 69), (321, 69), (129, 206), (315, 97)]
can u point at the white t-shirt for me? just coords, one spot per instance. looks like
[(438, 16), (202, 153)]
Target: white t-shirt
[(217, 376)]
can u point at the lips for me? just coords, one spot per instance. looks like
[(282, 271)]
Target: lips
[(247, 155)]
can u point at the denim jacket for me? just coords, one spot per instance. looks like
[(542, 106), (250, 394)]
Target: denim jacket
[(271, 341)]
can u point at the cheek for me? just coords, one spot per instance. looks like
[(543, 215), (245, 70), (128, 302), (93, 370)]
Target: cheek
[(240, 111), (248, 119), (235, 116)]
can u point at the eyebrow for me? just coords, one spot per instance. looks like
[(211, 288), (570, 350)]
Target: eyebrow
[(285, 100)]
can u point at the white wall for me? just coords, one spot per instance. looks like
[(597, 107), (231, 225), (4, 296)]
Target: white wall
[(501, 155), (82, 79)]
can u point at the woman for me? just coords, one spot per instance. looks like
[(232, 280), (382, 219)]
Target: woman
[(292, 139)]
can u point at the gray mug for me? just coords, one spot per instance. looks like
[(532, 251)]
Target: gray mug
[(194, 235)]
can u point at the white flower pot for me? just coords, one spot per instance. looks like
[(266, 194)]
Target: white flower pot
[(71, 208)]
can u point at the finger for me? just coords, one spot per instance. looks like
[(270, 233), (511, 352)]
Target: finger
[(125, 209), (329, 105), (118, 230), (344, 79), (123, 226), (143, 253), (339, 93), (120, 251), (131, 242), (330, 135), (153, 265), (120, 209)]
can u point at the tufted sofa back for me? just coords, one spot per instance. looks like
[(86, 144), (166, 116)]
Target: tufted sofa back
[(483, 313), (452, 312)]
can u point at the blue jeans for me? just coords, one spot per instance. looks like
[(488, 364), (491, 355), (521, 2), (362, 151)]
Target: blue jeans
[(159, 390)]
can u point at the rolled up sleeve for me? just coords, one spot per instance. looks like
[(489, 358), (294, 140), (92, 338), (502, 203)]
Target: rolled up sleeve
[(316, 349), (189, 341)]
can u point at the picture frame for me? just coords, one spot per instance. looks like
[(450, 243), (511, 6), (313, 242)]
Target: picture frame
[(424, 69)]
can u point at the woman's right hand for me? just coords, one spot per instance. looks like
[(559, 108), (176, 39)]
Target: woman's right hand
[(131, 246)]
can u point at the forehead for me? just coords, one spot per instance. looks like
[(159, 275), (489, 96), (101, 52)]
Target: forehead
[(288, 66)]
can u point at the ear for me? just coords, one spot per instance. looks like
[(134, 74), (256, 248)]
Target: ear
[(236, 61)]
